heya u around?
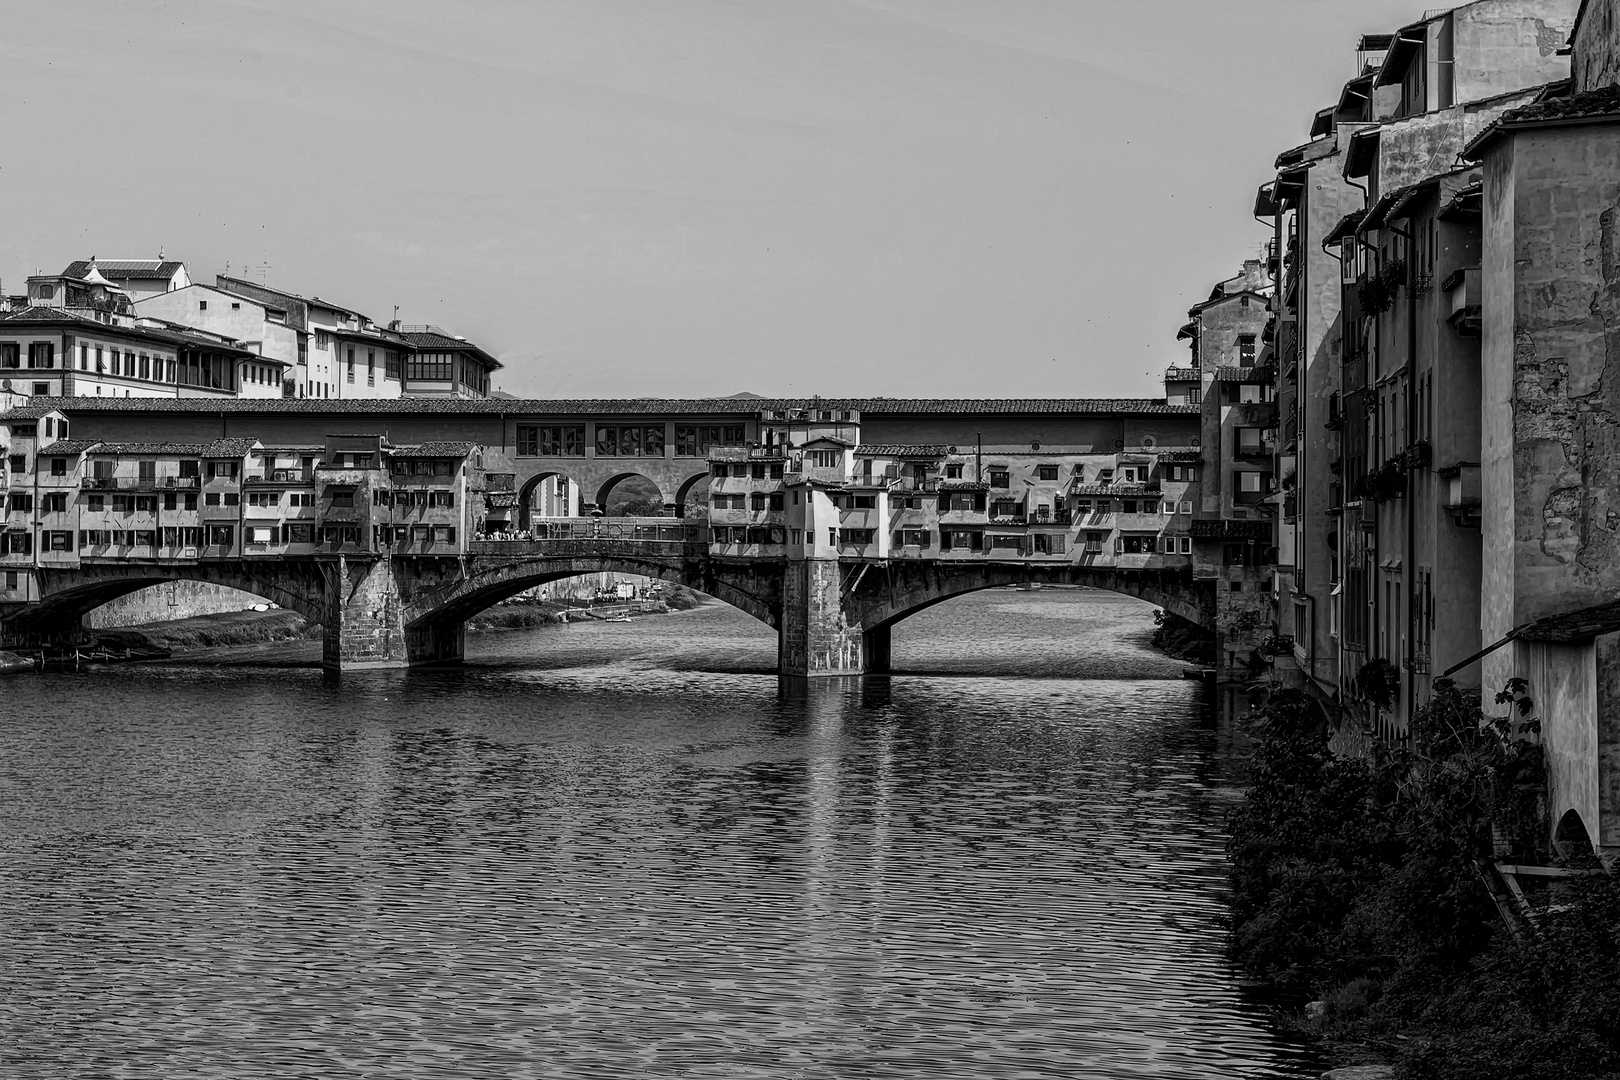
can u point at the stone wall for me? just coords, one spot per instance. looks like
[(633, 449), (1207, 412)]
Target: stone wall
[(171, 600)]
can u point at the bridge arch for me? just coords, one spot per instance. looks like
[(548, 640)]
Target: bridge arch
[(488, 584), (684, 492), (526, 496), (67, 595), (605, 490), (898, 596)]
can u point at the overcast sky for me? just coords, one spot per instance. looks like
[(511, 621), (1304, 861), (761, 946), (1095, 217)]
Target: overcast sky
[(687, 197)]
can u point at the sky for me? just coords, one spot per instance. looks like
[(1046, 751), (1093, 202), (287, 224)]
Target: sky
[(909, 198)]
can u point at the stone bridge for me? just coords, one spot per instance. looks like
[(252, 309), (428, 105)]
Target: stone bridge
[(833, 617)]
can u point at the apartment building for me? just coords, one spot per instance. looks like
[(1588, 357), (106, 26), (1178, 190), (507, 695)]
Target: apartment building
[(67, 502), (445, 364)]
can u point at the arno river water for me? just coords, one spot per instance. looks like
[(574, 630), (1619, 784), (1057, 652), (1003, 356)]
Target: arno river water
[(625, 850)]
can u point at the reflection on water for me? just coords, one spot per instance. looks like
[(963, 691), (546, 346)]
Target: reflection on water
[(624, 851)]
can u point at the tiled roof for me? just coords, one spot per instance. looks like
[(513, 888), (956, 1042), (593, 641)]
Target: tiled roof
[(1178, 455), (635, 406), (1256, 375), (126, 269), (65, 447), (930, 450), (438, 341), (964, 485), (1346, 226), (1600, 106), (31, 411), (217, 448), (434, 450)]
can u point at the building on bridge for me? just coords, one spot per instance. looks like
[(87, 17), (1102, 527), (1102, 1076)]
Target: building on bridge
[(830, 521)]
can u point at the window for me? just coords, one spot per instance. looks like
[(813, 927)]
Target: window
[(264, 499), (999, 478), (694, 440), (11, 579), (221, 535), (776, 500), (10, 352), (323, 339), (351, 364), (261, 534), (18, 463), (342, 497), (17, 543), (543, 441), (1235, 586), (824, 459), (371, 367), (58, 466), (391, 364), (856, 537), (1049, 543), (21, 501), (169, 500), (442, 499), (211, 499), (1246, 347), (191, 501), (202, 305), (1250, 482), (863, 502), (55, 502), (41, 354), (444, 534), (1046, 472), (431, 366), (627, 441), (298, 534), (953, 471)]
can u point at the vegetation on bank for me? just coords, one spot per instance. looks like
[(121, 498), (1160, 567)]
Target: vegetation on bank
[(1182, 639), (1363, 881), (212, 631)]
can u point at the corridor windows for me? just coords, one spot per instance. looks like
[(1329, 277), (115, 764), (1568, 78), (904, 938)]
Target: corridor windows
[(1049, 543), (694, 440), (555, 440), (630, 441)]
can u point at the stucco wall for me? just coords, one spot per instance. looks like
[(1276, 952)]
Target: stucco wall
[(1509, 43), (1566, 369)]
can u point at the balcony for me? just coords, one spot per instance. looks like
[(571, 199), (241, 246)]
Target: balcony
[(138, 483), (1462, 289)]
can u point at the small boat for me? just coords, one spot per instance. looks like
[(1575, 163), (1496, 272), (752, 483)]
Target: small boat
[(618, 618)]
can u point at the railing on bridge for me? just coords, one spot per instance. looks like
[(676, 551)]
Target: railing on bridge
[(563, 536)]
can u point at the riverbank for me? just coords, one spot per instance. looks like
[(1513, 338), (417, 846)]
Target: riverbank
[(1375, 888)]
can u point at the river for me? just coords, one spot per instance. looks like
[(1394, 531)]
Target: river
[(625, 850)]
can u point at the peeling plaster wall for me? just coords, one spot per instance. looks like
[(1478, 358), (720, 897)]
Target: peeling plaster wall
[(1425, 146), (1509, 43), (1551, 459), (1597, 46)]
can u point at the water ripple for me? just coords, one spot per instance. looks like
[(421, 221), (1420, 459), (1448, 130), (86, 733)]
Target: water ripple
[(627, 851)]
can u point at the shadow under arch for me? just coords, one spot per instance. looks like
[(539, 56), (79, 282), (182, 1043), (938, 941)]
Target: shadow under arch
[(68, 596), (900, 604), (525, 500), (458, 602)]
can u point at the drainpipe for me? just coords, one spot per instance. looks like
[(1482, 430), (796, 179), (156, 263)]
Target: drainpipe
[(1410, 574)]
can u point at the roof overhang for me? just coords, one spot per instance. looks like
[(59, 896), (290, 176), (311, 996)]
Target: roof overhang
[(1408, 40), (1360, 154)]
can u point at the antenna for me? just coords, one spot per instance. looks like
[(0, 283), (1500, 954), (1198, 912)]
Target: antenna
[(264, 268)]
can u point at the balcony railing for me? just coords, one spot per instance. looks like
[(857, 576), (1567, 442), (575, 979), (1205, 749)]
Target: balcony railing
[(139, 483)]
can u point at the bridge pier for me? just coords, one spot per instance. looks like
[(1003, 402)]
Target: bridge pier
[(816, 636), (365, 623)]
